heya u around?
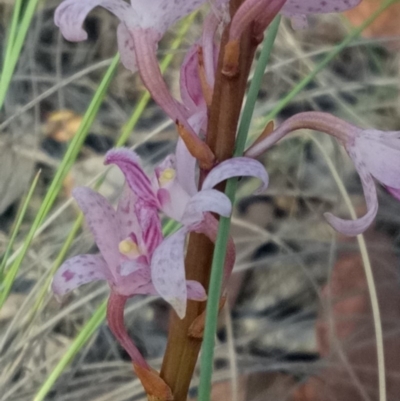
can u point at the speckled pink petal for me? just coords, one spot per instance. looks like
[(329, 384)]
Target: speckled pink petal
[(207, 200), (355, 227), (70, 14), (126, 48), (395, 192), (195, 291), (296, 7), (102, 221), (138, 181), (237, 167), (126, 215), (381, 154), (162, 14), (168, 271), (77, 271)]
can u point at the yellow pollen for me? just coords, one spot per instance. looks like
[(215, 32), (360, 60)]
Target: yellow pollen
[(166, 176), (127, 247)]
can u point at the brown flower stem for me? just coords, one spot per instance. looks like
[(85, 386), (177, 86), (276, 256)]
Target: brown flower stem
[(228, 95), (182, 350)]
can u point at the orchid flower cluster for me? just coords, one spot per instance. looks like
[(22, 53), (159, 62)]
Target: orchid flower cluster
[(135, 257)]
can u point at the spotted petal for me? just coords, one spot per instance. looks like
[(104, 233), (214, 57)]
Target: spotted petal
[(303, 7), (207, 200), (70, 15), (77, 271), (102, 221), (162, 14), (138, 181), (381, 154), (168, 271), (237, 167), (355, 227), (126, 215), (126, 48)]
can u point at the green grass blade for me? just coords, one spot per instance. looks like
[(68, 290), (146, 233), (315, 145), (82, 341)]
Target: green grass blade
[(13, 52), (12, 32), (66, 164), (214, 292), (18, 222)]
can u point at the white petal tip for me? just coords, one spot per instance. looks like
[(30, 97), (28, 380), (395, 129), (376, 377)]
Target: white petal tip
[(179, 307)]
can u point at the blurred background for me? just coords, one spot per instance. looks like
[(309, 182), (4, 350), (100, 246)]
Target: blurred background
[(298, 322)]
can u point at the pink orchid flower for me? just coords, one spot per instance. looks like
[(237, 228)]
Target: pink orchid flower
[(374, 153), (127, 239), (143, 23), (172, 189)]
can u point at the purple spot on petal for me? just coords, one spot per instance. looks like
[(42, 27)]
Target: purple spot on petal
[(68, 275)]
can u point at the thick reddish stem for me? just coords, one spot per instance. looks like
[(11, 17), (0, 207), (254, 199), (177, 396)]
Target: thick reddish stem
[(182, 350)]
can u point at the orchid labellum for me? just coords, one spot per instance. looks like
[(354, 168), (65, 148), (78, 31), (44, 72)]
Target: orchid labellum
[(374, 153)]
